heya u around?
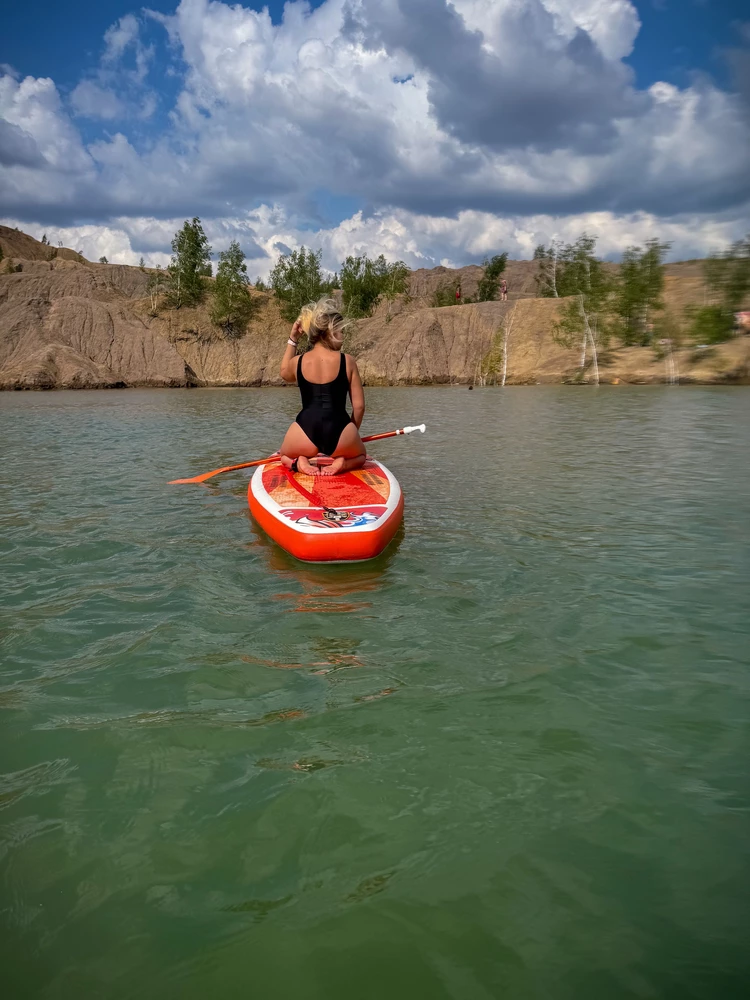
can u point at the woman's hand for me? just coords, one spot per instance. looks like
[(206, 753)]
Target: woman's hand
[(288, 370)]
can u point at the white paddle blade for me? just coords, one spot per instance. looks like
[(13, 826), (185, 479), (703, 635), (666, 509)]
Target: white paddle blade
[(419, 427)]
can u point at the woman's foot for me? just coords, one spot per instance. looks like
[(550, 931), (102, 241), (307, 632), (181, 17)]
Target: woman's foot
[(303, 465), (339, 465), (334, 468), (306, 468)]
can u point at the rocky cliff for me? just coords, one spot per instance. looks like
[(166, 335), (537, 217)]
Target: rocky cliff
[(72, 325), (68, 323)]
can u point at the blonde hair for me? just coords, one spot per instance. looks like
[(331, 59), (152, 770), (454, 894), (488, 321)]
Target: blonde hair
[(322, 320)]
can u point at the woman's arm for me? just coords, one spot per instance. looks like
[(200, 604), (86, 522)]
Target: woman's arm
[(288, 364), (357, 393)]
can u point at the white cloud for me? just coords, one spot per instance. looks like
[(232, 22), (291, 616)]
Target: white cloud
[(515, 114), (420, 240), (94, 101), (114, 91), (119, 36), (34, 106), (613, 24)]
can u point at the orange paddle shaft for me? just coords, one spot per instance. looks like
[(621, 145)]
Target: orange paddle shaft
[(261, 461)]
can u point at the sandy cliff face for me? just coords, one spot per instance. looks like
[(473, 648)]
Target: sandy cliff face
[(426, 346), (16, 244), (67, 323), (519, 274), (254, 359), (64, 324), (459, 344)]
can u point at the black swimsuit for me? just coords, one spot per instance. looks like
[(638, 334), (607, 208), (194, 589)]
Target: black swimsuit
[(323, 415)]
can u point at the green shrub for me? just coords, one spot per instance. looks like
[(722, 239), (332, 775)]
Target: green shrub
[(191, 263), (364, 282), (711, 324), (232, 306), (296, 280), (493, 268)]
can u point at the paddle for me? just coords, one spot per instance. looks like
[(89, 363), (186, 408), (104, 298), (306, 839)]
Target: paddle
[(271, 458)]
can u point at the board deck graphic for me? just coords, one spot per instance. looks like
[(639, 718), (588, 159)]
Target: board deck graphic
[(341, 518)]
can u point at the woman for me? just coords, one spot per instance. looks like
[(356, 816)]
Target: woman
[(324, 376)]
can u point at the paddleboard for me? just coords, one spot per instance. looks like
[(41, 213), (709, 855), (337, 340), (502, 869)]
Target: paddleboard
[(344, 518)]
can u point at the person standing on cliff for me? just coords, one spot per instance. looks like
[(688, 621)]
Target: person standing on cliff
[(503, 290), (323, 425)]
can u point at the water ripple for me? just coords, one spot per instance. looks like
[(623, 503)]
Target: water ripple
[(507, 758)]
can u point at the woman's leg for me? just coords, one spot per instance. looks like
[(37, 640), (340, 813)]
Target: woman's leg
[(350, 453), (297, 444)]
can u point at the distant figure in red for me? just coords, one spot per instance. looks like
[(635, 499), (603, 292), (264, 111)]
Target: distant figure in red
[(458, 294), (503, 290)]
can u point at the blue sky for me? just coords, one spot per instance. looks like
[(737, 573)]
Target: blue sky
[(680, 37), (59, 39), (417, 128)]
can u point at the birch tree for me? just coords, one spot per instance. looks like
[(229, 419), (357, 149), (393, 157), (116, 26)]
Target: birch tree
[(365, 281), (583, 318), (638, 291), (546, 277), (191, 263), (156, 285), (232, 306), (488, 285), (396, 283), (298, 279), (507, 328)]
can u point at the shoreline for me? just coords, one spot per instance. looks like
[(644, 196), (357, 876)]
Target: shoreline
[(727, 383)]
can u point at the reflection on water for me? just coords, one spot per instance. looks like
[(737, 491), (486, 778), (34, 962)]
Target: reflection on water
[(506, 759), (323, 585), (334, 654)]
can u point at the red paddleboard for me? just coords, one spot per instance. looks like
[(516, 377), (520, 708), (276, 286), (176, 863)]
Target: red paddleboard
[(344, 518)]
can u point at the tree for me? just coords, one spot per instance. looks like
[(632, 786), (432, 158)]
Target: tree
[(361, 284), (44, 240), (103, 260), (232, 306), (727, 277), (396, 283), (365, 281), (507, 329), (157, 283), (582, 277), (667, 336), (546, 277), (260, 285), (638, 292), (331, 283), (296, 280), (191, 263), (493, 268), (142, 264)]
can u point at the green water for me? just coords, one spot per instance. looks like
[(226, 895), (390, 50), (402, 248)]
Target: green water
[(508, 759)]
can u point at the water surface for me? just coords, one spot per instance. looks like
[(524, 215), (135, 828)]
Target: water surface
[(506, 759)]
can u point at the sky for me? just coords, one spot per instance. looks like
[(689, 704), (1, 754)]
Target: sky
[(434, 132)]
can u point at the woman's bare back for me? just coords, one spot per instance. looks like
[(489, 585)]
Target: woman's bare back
[(322, 365)]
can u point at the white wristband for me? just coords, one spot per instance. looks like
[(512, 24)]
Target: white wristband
[(292, 343)]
